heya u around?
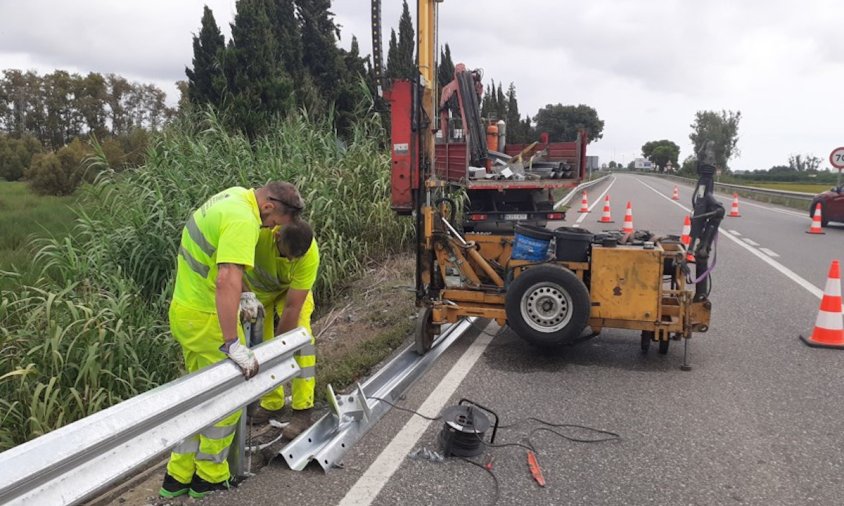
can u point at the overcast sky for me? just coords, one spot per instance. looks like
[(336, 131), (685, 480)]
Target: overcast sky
[(645, 66)]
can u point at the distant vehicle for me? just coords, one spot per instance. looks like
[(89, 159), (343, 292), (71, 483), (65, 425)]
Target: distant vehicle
[(832, 205)]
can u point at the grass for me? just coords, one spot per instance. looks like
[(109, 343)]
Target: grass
[(93, 330), (358, 361), (24, 216), (792, 187)]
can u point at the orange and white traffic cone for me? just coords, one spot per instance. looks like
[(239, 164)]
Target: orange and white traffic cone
[(829, 327), (816, 227), (734, 212), (686, 238), (584, 204), (606, 217), (676, 194), (627, 228)]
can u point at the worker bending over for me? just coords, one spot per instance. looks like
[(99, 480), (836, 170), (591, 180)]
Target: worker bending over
[(286, 264), (218, 243)]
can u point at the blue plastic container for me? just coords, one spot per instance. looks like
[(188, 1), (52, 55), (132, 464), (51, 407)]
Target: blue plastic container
[(531, 243)]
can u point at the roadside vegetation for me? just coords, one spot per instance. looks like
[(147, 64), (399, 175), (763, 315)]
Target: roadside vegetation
[(24, 216), (90, 329)]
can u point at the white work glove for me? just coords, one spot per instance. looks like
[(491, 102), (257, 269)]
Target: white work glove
[(242, 356), (250, 307)]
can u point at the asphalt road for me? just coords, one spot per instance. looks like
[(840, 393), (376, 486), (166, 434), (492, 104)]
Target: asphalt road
[(758, 420)]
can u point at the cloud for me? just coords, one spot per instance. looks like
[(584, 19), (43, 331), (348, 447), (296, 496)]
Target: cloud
[(645, 66)]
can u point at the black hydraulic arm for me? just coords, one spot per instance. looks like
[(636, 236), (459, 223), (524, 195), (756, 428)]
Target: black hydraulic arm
[(708, 213)]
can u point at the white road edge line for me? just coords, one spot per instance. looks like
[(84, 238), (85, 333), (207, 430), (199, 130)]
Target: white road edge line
[(750, 241), (728, 200), (817, 292), (364, 491), (768, 252), (594, 203), (735, 232)]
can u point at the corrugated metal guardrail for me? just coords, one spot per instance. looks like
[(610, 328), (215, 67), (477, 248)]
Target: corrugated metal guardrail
[(81, 460), (574, 191), (797, 200)]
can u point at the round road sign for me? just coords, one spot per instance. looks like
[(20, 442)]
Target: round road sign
[(836, 158)]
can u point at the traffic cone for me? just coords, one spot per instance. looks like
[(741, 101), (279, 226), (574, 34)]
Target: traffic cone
[(686, 238), (816, 222), (676, 195), (734, 213), (606, 217), (627, 228), (829, 327), (584, 204)]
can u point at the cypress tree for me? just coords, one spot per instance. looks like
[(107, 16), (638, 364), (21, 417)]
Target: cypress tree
[(514, 126), (288, 35), (206, 81), (407, 66), (320, 54), (500, 103), (259, 86), (393, 71), (445, 72)]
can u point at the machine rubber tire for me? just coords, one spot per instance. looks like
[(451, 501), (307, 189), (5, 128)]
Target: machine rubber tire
[(547, 306), (824, 220), (425, 332), (647, 337), (663, 347)]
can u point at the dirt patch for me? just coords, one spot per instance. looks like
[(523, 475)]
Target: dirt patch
[(372, 318)]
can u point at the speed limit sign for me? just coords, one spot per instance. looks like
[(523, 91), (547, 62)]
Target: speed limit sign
[(836, 158)]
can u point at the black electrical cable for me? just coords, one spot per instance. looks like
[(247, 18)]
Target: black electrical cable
[(408, 410), (494, 478)]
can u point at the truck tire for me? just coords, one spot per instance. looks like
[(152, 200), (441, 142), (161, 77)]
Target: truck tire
[(547, 306)]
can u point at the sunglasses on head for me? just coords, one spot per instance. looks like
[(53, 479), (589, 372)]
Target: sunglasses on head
[(291, 206)]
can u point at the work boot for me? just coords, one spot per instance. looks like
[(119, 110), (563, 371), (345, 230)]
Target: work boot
[(300, 421), (172, 487), (199, 488), (263, 415)]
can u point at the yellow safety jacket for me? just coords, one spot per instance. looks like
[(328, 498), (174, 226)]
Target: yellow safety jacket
[(224, 229), (272, 275)]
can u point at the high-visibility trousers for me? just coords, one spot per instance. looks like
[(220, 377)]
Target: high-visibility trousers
[(205, 454), (304, 384)]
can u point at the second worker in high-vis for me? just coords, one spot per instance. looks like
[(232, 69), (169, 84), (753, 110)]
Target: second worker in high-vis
[(286, 265)]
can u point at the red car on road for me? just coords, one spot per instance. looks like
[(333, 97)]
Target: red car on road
[(832, 205)]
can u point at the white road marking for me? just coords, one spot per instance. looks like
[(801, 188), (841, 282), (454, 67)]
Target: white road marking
[(728, 201), (768, 252), (750, 241), (594, 203), (735, 232), (364, 491), (817, 292)]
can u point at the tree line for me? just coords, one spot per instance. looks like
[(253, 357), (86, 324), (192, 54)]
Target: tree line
[(44, 119), (561, 122), (282, 56), (58, 107)]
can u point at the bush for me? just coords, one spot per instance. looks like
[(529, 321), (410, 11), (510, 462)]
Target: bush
[(60, 173), (16, 155)]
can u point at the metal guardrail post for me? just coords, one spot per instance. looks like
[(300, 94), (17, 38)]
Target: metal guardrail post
[(82, 459), (331, 436)]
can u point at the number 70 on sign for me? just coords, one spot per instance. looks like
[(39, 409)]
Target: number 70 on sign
[(836, 158)]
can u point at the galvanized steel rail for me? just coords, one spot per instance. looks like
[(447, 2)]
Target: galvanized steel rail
[(81, 460), (579, 188), (798, 200), (354, 414)]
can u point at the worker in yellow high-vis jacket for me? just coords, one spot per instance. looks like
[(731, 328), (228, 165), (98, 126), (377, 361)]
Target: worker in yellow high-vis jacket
[(286, 264), (218, 243)]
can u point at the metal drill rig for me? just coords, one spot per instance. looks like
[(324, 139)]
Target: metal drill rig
[(636, 282)]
